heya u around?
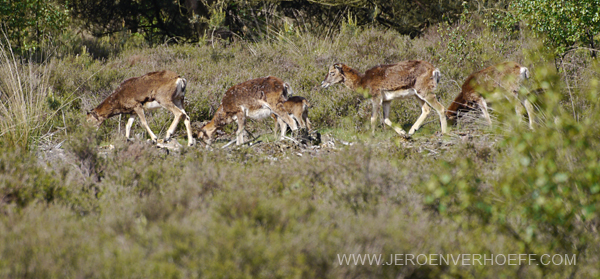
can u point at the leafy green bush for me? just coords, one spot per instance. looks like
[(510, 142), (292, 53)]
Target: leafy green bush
[(31, 24), (545, 192), (562, 25), (23, 181)]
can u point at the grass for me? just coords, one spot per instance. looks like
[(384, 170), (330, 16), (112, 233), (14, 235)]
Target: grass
[(24, 90), (82, 209)]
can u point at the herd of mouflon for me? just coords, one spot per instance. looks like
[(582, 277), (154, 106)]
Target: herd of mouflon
[(270, 96)]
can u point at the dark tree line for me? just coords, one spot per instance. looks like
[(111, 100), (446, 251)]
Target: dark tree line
[(29, 24), (191, 19)]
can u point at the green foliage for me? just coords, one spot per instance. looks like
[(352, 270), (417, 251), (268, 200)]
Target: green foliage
[(30, 24), (563, 24), (23, 181), (547, 177)]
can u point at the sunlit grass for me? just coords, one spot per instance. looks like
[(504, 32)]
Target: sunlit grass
[(24, 88)]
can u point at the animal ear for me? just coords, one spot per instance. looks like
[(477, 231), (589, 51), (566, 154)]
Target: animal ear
[(338, 66)]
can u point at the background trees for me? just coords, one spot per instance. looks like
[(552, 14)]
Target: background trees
[(191, 19), (563, 24), (28, 23)]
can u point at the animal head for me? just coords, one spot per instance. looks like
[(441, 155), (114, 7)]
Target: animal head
[(94, 119), (205, 134), (334, 76)]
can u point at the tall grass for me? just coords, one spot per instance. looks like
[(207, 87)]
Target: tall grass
[(23, 90)]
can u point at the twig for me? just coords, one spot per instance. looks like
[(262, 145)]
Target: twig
[(65, 123), (291, 139), (228, 144), (247, 142)]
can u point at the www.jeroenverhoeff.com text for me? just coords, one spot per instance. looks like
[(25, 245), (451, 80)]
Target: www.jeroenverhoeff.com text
[(457, 259)]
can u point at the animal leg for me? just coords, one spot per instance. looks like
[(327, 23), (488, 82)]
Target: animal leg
[(177, 109), (424, 112), (186, 121), (387, 121), (305, 118), (529, 109), (140, 112), (280, 111), (283, 127), (128, 127), (300, 120), (439, 108), (179, 113), (431, 100), (376, 104), (276, 119), (241, 121), (484, 109), (188, 127)]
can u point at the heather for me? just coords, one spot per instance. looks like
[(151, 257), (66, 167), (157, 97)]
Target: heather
[(80, 202)]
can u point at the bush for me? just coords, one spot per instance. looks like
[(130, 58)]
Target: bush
[(550, 198)]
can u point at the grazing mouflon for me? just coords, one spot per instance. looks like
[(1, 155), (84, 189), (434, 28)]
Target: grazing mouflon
[(256, 99), (151, 91), (495, 83), (385, 83)]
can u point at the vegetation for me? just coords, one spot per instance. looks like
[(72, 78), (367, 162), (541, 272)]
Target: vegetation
[(81, 202), (564, 23), (32, 23)]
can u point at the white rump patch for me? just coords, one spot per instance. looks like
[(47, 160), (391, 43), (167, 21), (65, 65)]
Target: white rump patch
[(259, 113), (181, 84), (436, 75), (152, 105), (391, 95), (524, 72)]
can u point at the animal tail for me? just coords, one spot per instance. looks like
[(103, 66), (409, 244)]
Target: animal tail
[(181, 84), (437, 75), (524, 72), (287, 90)]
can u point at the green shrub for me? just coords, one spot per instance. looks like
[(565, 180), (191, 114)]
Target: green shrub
[(545, 195), (23, 180)]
